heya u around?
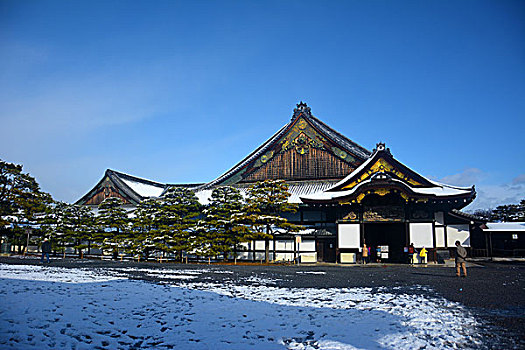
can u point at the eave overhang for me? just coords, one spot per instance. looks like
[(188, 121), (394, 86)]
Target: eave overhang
[(467, 217), (381, 174)]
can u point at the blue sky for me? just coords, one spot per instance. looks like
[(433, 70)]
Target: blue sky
[(179, 91)]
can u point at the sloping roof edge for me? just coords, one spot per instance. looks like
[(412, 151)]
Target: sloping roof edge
[(302, 110), (118, 179), (380, 148), (431, 189), (462, 215)]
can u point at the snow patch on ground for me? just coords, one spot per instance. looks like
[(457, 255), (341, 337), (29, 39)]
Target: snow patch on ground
[(261, 280), (434, 322), (311, 272), (170, 273), (120, 314), (56, 274)]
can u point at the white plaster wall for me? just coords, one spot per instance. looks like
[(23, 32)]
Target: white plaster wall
[(307, 246), (440, 237), (284, 245), (260, 245), (284, 256), (421, 235), (349, 236), (458, 233)]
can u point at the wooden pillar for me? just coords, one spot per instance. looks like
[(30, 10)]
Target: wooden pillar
[(434, 239), (490, 244), (294, 249)]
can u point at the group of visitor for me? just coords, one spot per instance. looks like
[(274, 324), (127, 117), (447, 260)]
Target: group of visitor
[(371, 255), (414, 256)]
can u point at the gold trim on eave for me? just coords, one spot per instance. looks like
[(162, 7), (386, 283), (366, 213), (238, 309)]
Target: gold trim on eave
[(381, 165)]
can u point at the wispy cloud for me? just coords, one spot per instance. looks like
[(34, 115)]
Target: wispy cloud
[(77, 105), (488, 195), (467, 177), (519, 180)]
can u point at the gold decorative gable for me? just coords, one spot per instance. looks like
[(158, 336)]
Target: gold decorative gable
[(264, 159), (382, 166), (383, 191), (302, 137)]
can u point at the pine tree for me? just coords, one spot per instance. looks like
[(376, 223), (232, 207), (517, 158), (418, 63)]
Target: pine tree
[(81, 221), (113, 233), (510, 212), (176, 224), (21, 203), (62, 234), (265, 202), (145, 226), (223, 231)]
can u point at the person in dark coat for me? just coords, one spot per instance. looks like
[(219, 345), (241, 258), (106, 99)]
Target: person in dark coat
[(46, 249), (461, 255), (411, 251)]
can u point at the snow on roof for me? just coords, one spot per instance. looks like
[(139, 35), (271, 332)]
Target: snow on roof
[(442, 190), (505, 226), (349, 176), (296, 189), (142, 189), (438, 191), (304, 189)]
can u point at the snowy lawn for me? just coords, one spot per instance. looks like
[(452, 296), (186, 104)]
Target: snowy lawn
[(51, 308)]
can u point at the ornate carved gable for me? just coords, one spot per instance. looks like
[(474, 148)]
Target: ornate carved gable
[(383, 166), (383, 180), (301, 153), (305, 149)]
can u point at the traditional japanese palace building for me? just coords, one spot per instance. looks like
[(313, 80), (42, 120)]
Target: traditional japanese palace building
[(347, 195)]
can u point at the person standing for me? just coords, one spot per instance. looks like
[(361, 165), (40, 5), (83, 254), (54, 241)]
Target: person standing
[(461, 255), (46, 249), (365, 254), (411, 252), (423, 255)]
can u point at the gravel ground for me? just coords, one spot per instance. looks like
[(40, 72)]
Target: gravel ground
[(493, 292)]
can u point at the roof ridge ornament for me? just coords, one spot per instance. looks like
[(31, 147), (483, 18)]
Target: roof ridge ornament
[(302, 108), (380, 146)]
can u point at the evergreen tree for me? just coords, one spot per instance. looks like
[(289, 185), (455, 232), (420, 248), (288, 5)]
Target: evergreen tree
[(22, 203), (223, 229), (176, 225), (145, 225), (265, 202), (510, 212), (112, 220), (81, 221), (62, 234)]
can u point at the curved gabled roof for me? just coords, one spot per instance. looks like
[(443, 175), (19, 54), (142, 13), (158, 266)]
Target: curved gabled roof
[(132, 188), (301, 112), (382, 169)]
